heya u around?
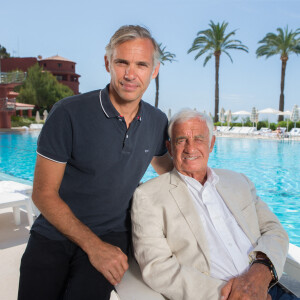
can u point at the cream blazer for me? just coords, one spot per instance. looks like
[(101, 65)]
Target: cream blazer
[(169, 239)]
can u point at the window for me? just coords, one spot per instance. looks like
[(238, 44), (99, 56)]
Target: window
[(59, 77), (59, 65), (45, 65)]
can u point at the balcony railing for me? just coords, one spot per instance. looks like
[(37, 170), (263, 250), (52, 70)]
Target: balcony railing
[(12, 77), (7, 104)]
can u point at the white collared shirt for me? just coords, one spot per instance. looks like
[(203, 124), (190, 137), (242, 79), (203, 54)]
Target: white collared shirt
[(228, 244)]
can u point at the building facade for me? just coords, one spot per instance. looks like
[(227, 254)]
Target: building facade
[(64, 71), (62, 68), (13, 72)]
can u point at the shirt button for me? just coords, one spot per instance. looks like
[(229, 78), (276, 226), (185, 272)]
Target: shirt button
[(127, 136)]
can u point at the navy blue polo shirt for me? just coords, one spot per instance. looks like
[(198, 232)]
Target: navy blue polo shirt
[(105, 161)]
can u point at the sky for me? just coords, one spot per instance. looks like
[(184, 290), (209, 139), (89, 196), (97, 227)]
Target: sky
[(80, 30)]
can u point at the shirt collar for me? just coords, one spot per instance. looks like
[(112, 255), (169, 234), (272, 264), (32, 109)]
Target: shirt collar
[(110, 111), (212, 178)]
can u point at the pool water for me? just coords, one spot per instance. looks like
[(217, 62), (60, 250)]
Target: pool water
[(273, 166)]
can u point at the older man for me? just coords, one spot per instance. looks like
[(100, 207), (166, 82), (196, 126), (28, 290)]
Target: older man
[(202, 233), (92, 152)]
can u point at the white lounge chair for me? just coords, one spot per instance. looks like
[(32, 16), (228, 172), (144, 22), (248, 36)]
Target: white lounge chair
[(132, 285), (235, 130), (246, 130), (263, 131), (223, 128), (36, 126), (252, 130), (12, 187), (15, 200), (294, 132)]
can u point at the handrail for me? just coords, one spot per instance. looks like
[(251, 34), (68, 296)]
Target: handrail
[(12, 77)]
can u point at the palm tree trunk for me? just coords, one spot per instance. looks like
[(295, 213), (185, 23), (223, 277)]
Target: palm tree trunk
[(281, 99), (217, 66), (157, 89)]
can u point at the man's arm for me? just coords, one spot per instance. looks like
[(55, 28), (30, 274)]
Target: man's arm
[(162, 164), (106, 258), (251, 285), (272, 244), (160, 267)]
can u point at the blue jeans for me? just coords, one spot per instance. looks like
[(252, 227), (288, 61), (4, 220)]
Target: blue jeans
[(277, 293)]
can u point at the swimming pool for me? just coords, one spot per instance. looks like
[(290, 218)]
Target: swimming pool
[(273, 166)]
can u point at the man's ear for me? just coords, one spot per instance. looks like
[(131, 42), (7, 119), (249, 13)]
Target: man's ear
[(107, 65), (156, 70), (212, 143), (168, 145)]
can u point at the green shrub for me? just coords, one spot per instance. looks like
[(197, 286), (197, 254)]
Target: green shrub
[(17, 121), (15, 118), (283, 124), (237, 124)]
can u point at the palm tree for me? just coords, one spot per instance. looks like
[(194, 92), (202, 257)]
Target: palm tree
[(164, 56), (283, 43), (214, 41)]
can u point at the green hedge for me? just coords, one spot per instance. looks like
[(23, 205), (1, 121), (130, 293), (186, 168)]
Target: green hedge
[(261, 124), (17, 121)]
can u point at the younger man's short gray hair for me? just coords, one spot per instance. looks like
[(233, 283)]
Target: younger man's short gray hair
[(187, 114), (132, 32)]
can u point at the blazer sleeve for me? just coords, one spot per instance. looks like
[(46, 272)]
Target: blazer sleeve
[(160, 267), (274, 240)]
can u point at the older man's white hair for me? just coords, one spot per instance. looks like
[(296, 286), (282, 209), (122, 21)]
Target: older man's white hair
[(187, 114)]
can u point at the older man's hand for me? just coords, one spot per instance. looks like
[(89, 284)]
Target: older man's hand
[(252, 285)]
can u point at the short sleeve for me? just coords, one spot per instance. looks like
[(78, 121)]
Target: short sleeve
[(55, 139), (162, 134)]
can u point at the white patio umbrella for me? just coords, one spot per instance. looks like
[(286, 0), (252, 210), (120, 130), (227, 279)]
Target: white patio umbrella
[(222, 115), (228, 117), (288, 114), (295, 117), (242, 112), (270, 111), (254, 116), (45, 114), (37, 117)]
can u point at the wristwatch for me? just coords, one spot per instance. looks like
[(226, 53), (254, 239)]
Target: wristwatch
[(266, 261)]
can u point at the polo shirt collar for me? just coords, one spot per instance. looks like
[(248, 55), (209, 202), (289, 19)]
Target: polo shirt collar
[(110, 111)]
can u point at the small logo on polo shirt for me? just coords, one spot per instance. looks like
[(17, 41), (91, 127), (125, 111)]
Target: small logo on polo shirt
[(146, 150)]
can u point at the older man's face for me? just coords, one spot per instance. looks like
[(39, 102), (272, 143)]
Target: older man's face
[(190, 148), (131, 69)]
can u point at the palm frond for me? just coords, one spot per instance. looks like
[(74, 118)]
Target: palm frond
[(283, 43), (228, 55), (166, 55), (207, 58)]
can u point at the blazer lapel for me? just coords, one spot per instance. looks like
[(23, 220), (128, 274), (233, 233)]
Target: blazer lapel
[(181, 195), (230, 198)]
